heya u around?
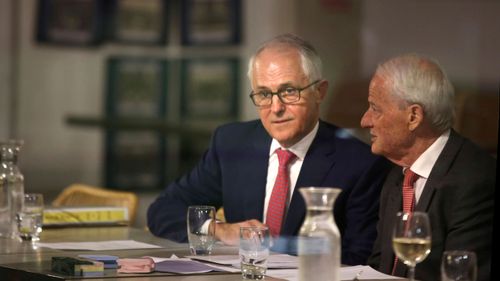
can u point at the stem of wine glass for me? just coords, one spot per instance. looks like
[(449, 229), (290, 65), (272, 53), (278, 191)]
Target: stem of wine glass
[(412, 272)]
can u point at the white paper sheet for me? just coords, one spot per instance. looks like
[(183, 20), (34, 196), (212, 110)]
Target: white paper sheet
[(346, 273), (218, 266), (274, 261), (100, 245)]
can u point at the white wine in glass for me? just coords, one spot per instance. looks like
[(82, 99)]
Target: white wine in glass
[(411, 239)]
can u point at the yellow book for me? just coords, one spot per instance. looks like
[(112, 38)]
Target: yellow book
[(85, 215)]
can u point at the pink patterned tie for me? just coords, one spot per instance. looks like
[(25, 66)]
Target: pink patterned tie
[(408, 190), (408, 199), (277, 202)]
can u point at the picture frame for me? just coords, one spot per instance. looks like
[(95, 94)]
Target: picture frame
[(136, 87), (209, 89), (136, 90), (211, 22), (71, 22), (138, 22), (135, 160)]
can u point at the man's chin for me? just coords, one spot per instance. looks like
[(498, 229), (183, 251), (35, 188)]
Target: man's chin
[(375, 149), (283, 140)]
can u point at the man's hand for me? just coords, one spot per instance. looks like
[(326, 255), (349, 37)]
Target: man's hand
[(229, 233)]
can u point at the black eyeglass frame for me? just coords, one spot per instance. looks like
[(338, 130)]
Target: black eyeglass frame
[(280, 92)]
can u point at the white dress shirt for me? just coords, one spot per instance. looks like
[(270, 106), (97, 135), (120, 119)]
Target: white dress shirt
[(300, 150), (425, 162)]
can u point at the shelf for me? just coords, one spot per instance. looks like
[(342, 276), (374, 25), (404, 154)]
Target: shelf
[(143, 124)]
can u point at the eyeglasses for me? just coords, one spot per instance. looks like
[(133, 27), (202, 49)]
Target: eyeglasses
[(286, 95)]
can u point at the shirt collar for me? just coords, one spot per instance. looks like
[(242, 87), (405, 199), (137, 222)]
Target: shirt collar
[(301, 147), (425, 162)]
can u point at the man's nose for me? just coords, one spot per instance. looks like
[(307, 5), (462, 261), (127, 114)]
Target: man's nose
[(277, 105), (365, 120)]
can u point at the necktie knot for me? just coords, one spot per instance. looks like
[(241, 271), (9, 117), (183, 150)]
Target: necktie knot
[(285, 157), (410, 178), (408, 190)]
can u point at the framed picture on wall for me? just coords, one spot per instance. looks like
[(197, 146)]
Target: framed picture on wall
[(135, 160), (71, 22), (139, 22), (137, 87), (210, 22), (209, 89)]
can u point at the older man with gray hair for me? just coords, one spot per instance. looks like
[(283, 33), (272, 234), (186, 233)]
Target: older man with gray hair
[(410, 115)]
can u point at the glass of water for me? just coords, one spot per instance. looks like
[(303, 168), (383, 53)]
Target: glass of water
[(29, 219), (201, 229), (458, 265), (254, 252)]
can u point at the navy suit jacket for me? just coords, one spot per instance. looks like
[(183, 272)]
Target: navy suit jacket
[(233, 173), (459, 199)]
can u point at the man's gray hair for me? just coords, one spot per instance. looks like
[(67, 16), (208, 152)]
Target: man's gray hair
[(310, 61), (421, 80)]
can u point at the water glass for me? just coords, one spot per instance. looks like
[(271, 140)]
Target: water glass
[(29, 219), (458, 265), (254, 252), (201, 229)]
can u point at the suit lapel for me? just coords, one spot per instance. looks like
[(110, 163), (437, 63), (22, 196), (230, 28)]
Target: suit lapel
[(395, 198), (439, 171), (255, 183), (318, 162), (435, 180), (395, 205), (393, 190)]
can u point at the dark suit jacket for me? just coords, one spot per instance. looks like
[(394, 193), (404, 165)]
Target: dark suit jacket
[(459, 199), (233, 171)]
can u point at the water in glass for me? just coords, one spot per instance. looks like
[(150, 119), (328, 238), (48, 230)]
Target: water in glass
[(319, 237)]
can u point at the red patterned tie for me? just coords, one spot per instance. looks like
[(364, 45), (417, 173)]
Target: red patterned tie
[(408, 199), (277, 202)]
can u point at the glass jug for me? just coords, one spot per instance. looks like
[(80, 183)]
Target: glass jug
[(11, 187), (319, 237)]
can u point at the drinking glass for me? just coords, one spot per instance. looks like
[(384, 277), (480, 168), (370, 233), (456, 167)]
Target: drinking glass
[(254, 251), (29, 219), (459, 265), (411, 239), (201, 229)]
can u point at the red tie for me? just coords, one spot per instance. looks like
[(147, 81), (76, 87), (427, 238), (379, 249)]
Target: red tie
[(408, 199), (409, 191), (277, 202)]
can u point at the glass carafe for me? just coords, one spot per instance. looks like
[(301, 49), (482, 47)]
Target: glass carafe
[(319, 245), (11, 187)]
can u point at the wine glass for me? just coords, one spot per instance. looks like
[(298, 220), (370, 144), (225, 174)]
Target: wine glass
[(411, 239), (459, 265)]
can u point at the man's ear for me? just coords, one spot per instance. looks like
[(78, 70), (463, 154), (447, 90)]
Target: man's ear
[(416, 116), (322, 90)]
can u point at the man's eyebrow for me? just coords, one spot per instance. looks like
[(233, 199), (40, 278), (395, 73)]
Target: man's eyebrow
[(287, 84), (262, 88), (281, 86)]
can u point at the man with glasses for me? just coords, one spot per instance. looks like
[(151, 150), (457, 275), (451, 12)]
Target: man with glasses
[(245, 171)]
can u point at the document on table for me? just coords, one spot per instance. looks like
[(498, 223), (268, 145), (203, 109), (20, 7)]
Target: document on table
[(280, 261), (346, 273), (175, 264), (100, 245), (286, 267)]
